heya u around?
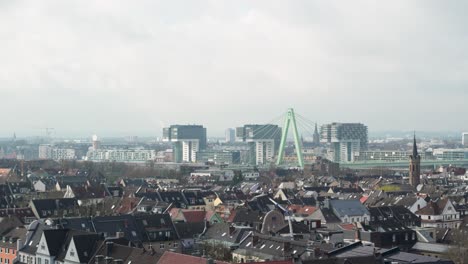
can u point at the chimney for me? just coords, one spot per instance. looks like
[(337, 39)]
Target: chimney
[(109, 246), (231, 230), (286, 246), (19, 244), (108, 260), (98, 259), (255, 239)]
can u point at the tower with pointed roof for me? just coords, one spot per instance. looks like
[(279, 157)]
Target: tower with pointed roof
[(415, 166), (316, 136)]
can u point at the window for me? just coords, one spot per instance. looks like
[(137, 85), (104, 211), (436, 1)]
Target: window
[(161, 246), (42, 246), (406, 236), (176, 245), (46, 261), (394, 238), (39, 261), (72, 253)]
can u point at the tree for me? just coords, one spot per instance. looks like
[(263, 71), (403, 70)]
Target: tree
[(458, 251)]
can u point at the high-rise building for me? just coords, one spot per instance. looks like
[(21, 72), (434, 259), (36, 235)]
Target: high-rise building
[(465, 139), (263, 141), (230, 135), (187, 140), (346, 140), (415, 166)]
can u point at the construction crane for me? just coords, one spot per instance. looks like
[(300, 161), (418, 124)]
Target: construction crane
[(48, 131)]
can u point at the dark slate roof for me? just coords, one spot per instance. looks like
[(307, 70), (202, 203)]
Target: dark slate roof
[(329, 216), (80, 237), (189, 230), (54, 239), (33, 236), (174, 197), (193, 198), (86, 245), (261, 203), (45, 207), (124, 253), (226, 233), (245, 215), (133, 227), (348, 207)]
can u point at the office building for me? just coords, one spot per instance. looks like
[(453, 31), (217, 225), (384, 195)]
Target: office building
[(263, 142), (465, 139), (345, 140), (187, 140), (450, 154), (230, 135), (219, 156)]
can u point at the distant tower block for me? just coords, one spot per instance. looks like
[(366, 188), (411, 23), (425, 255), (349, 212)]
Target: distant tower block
[(96, 142), (290, 120)]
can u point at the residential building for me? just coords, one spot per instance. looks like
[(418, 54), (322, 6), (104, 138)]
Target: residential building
[(263, 142), (439, 214), (346, 140), (54, 153), (465, 139), (187, 140), (121, 155)]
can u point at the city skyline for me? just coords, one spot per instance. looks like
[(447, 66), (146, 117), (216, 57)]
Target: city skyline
[(120, 68)]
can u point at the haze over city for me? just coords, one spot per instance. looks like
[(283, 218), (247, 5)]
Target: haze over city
[(119, 68)]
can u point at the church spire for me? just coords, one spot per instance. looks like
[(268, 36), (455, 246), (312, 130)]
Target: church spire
[(415, 147)]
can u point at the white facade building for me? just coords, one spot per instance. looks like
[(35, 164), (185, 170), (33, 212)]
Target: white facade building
[(264, 151), (50, 152), (121, 155)]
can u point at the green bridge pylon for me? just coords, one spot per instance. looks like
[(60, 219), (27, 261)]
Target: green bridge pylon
[(290, 120)]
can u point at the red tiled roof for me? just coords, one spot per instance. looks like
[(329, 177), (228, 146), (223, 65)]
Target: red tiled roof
[(177, 258), (194, 216), (364, 199), (347, 226), (302, 209)]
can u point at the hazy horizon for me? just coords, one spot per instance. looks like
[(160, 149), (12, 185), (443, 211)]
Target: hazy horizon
[(121, 68)]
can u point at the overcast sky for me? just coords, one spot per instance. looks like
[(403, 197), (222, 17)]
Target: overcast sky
[(130, 67)]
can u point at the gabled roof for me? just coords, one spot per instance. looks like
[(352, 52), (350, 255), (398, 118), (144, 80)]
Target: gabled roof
[(193, 216), (433, 208), (55, 239)]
